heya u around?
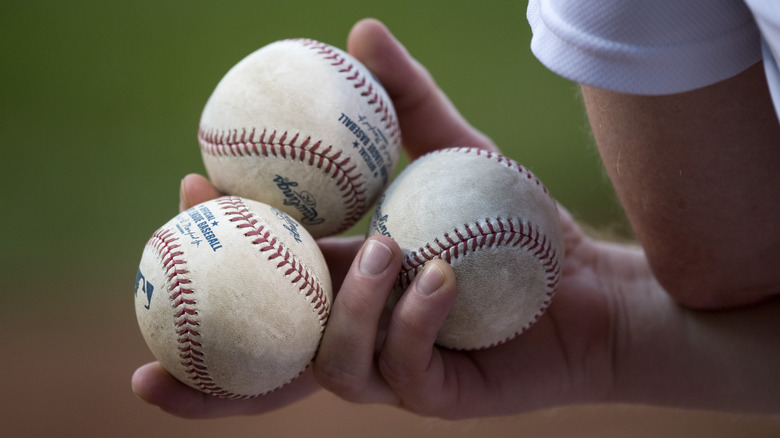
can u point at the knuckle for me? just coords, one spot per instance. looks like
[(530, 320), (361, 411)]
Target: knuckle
[(340, 381), (395, 373), (414, 389), (412, 323), (354, 306)]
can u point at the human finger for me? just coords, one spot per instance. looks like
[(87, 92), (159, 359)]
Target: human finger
[(428, 119), (195, 189), (345, 362), (156, 386), (339, 253), (409, 362)]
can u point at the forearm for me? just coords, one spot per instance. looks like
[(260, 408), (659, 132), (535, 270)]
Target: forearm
[(696, 175), (720, 360)]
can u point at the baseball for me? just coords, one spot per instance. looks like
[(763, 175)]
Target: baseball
[(304, 127), (494, 222), (232, 297)]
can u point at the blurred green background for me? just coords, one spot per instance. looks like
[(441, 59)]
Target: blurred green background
[(101, 101), (100, 107)]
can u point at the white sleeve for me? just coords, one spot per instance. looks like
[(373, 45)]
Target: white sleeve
[(767, 15), (645, 47)]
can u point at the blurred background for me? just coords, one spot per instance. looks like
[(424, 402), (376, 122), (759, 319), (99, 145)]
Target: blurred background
[(100, 106)]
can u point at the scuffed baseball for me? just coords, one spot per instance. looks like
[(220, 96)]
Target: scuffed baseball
[(232, 297), (305, 127), (494, 222)]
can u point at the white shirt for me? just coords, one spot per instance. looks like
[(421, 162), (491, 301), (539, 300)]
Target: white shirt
[(659, 46)]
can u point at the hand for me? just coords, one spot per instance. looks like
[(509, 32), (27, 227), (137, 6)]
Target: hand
[(420, 105), (611, 334), (156, 386), (410, 372)]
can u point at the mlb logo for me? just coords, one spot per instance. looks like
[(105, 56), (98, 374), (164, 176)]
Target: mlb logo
[(144, 287)]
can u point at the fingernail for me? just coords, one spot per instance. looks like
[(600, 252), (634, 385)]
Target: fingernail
[(375, 259), (430, 279)]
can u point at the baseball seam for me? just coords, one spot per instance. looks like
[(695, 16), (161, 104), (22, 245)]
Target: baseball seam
[(181, 296), (309, 286), (499, 158), (229, 143), (223, 143), (491, 233), (353, 74)]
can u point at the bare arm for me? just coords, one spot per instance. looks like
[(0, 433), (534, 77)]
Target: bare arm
[(697, 174), (612, 333)]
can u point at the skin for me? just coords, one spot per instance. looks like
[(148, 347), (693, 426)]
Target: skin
[(696, 175), (669, 323)]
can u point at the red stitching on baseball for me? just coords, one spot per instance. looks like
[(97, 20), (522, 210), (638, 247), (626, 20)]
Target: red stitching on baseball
[(503, 159), (240, 214), (490, 233), (225, 143), (374, 98), (183, 302)]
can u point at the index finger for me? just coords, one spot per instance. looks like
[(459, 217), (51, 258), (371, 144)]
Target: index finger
[(428, 120), (345, 362)]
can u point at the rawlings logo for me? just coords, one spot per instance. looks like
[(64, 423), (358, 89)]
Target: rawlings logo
[(379, 221), (302, 201)]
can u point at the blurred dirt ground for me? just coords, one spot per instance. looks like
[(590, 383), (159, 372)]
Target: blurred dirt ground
[(66, 373)]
